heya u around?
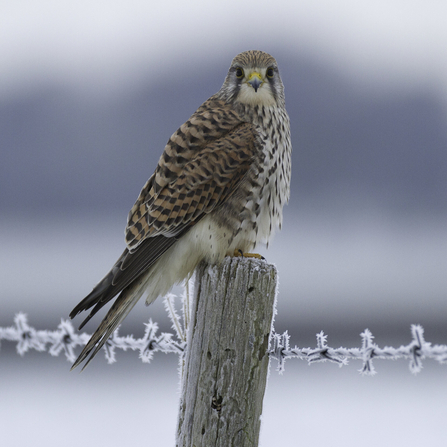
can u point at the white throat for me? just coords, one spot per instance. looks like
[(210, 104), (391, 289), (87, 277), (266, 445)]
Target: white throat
[(263, 96)]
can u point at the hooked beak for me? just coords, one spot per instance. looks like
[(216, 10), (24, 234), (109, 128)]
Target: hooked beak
[(255, 80)]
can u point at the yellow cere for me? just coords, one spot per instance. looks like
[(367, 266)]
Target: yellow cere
[(255, 74)]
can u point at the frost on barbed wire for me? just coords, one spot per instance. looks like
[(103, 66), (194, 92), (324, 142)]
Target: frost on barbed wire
[(66, 339), (415, 351), (169, 302)]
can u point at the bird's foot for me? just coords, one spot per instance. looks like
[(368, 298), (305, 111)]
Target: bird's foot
[(240, 253)]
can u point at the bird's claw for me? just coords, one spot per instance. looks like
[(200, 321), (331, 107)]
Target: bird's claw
[(239, 253)]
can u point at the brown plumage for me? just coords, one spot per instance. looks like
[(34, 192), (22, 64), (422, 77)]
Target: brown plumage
[(220, 185)]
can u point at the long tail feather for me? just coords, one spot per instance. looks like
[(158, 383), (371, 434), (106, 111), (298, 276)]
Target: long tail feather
[(119, 310)]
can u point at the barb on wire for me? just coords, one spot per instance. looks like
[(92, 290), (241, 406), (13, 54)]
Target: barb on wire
[(417, 350), (65, 338)]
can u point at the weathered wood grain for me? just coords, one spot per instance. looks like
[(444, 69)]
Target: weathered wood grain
[(226, 363)]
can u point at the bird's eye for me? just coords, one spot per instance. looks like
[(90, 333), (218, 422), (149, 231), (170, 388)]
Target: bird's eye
[(270, 72), (239, 72)]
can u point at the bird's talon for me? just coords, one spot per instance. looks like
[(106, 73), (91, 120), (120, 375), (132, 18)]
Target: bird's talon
[(239, 253)]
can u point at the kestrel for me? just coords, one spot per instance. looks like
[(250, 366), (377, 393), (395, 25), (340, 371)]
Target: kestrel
[(219, 187)]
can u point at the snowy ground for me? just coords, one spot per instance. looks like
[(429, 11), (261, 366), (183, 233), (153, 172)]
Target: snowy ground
[(134, 404)]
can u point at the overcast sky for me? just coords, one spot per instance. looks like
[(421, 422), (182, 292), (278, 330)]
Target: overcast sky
[(95, 43)]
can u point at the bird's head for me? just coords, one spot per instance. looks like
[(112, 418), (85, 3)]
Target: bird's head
[(253, 79)]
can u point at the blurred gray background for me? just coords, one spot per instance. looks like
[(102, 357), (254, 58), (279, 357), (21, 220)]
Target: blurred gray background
[(89, 94)]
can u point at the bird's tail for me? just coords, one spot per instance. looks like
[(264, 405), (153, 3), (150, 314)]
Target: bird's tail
[(116, 314)]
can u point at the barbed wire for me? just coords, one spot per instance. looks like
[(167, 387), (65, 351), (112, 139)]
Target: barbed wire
[(65, 339), (417, 350)]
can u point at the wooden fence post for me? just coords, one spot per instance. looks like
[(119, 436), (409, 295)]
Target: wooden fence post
[(226, 363)]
